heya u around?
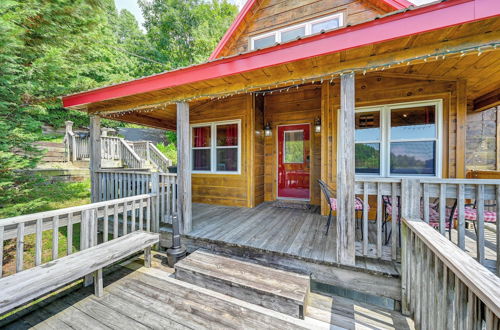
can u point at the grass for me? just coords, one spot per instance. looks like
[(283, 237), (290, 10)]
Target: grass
[(43, 197)]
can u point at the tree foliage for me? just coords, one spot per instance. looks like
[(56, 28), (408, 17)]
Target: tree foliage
[(50, 48)]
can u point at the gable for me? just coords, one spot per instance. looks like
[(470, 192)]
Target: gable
[(259, 17)]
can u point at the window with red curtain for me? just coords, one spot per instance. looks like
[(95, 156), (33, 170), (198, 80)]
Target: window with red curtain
[(227, 147), (223, 148), (201, 148)]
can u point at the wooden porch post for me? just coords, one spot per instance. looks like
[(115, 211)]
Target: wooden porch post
[(345, 173), (95, 156), (183, 169)]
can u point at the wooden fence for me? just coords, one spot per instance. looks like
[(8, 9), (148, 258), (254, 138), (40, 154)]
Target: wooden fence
[(148, 151), (112, 218), (442, 286), (115, 184)]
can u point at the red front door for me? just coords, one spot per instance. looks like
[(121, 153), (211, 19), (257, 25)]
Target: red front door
[(293, 161)]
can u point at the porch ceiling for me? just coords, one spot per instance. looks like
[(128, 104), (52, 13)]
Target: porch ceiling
[(404, 55)]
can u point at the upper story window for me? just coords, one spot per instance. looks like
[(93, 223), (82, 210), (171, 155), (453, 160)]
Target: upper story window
[(299, 30), (399, 139), (216, 147)]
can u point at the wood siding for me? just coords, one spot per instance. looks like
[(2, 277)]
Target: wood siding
[(226, 189), (271, 15)]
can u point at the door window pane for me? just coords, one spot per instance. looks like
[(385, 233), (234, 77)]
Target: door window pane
[(367, 158), (413, 123), (294, 147), (227, 135), (293, 34), (201, 159), (325, 25), (264, 42), (201, 137), (367, 126), (227, 159), (413, 157)]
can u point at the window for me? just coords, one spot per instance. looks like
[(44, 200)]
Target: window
[(293, 147), (399, 140), (220, 154), (293, 32)]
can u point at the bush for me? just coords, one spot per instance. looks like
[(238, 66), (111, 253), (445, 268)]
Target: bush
[(170, 151)]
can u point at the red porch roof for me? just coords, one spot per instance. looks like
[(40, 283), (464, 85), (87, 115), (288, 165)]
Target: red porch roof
[(406, 23)]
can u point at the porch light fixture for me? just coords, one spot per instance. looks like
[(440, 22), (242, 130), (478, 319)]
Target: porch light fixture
[(317, 125), (267, 129)]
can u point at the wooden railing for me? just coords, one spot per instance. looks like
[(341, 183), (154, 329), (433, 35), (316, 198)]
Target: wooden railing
[(122, 183), (442, 286), (148, 151), (372, 192), (129, 157), (77, 147), (112, 218), (111, 148)]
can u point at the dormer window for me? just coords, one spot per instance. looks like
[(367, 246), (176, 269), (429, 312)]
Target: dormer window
[(295, 31)]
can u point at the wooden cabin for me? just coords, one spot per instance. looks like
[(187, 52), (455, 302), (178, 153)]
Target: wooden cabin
[(369, 96)]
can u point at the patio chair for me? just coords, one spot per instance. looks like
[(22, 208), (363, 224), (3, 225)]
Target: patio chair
[(433, 214), (328, 192), (471, 214)]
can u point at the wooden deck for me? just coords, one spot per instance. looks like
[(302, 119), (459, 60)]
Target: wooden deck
[(142, 298), (294, 232)]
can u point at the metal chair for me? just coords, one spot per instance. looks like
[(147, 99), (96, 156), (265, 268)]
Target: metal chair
[(328, 192)]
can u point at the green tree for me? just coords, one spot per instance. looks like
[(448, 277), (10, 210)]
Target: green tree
[(185, 32)]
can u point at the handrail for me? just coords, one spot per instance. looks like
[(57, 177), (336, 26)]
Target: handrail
[(158, 158), (478, 278), (130, 157)]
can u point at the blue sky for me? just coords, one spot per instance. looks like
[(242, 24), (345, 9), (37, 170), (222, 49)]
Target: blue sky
[(133, 7)]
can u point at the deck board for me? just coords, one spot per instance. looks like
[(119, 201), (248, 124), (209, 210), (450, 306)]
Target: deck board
[(295, 232), (145, 298)]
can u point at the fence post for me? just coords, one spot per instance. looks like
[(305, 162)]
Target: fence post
[(95, 155), (70, 141), (410, 209), (155, 190), (88, 236)]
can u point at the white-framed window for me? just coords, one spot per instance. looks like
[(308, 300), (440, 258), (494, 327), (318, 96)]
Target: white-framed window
[(216, 147), (299, 30), (403, 139)]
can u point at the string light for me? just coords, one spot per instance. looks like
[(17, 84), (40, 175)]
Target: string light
[(296, 83)]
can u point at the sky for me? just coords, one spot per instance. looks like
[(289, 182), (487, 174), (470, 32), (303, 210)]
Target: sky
[(133, 7)]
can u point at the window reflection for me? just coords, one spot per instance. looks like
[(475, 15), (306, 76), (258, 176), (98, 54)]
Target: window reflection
[(367, 158), (293, 34), (367, 126), (413, 158), (264, 42)]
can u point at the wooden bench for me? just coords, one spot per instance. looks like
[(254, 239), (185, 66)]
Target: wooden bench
[(27, 285)]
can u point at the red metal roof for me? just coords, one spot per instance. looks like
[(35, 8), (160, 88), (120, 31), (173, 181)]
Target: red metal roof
[(419, 20)]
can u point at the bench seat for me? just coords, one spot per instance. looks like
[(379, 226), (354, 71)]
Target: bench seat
[(22, 287)]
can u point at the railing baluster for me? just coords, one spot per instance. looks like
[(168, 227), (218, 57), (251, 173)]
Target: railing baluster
[(365, 219), (461, 216), (132, 226), (480, 223), (148, 215), (69, 232), (141, 214), (426, 202), (394, 223), (115, 220), (125, 216), (55, 237), (105, 225), (20, 247), (38, 241), (379, 220), (442, 208)]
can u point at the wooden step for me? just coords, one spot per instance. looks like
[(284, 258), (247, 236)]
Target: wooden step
[(282, 291)]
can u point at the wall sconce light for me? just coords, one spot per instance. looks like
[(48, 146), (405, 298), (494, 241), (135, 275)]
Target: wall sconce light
[(268, 130), (317, 125)]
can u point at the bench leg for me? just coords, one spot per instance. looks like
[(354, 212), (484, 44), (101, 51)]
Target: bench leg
[(147, 257), (98, 283)]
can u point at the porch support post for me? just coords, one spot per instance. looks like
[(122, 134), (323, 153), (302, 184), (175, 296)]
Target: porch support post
[(345, 173), (95, 156), (183, 169)]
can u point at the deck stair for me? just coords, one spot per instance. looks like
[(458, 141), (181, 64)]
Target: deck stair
[(282, 291)]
